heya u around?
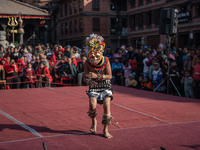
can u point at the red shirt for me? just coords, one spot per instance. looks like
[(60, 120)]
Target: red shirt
[(10, 68), (196, 74), (134, 64), (46, 72)]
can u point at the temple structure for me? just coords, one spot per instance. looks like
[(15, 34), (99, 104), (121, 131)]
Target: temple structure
[(23, 23)]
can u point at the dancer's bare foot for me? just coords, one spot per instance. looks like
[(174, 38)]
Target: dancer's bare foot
[(93, 127), (107, 135)]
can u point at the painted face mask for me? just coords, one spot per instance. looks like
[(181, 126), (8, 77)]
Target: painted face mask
[(94, 57), (95, 46)]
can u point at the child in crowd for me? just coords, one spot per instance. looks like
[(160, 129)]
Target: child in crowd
[(196, 77), (132, 81), (175, 77), (187, 81), (152, 67), (139, 82), (29, 74), (127, 72), (156, 76), (145, 65), (146, 84)]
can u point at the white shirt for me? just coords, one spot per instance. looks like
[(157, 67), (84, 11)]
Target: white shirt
[(145, 68)]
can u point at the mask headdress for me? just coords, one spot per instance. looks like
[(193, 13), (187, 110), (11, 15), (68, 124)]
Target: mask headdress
[(95, 46)]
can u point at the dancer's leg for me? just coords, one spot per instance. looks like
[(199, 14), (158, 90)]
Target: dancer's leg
[(92, 113), (106, 121)]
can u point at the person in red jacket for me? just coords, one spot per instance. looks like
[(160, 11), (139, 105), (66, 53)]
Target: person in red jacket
[(29, 74), (21, 68), (43, 74), (196, 77), (12, 75)]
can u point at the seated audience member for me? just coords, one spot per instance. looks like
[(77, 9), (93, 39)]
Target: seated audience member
[(15, 55), (156, 76), (139, 82), (187, 81), (80, 70), (45, 61), (132, 81), (117, 72), (8, 60), (59, 57), (43, 75), (68, 70), (36, 63), (52, 62), (2, 63), (27, 55), (12, 75), (146, 84), (77, 55), (49, 53), (29, 74), (68, 53)]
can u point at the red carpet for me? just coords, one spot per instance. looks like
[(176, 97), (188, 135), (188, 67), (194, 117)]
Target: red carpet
[(147, 120)]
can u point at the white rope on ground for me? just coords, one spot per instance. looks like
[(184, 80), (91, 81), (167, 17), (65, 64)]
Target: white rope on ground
[(139, 112), (76, 95), (87, 133), (21, 124)]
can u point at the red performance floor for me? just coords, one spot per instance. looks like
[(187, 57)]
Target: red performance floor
[(58, 117)]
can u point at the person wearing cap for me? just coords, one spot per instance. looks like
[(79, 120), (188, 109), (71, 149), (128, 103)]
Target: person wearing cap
[(68, 53), (97, 73), (76, 54), (156, 76), (49, 53), (59, 57)]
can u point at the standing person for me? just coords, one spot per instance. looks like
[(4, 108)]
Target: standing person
[(97, 73), (80, 70), (117, 70), (127, 72), (43, 74), (187, 81), (145, 66), (156, 76), (29, 74), (196, 77), (12, 75)]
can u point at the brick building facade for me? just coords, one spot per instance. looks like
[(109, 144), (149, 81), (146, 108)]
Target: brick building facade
[(78, 18), (122, 21), (144, 17)]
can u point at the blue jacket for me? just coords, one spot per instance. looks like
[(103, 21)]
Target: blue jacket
[(117, 66), (158, 78)]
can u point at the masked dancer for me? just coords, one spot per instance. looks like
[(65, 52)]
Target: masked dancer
[(97, 73)]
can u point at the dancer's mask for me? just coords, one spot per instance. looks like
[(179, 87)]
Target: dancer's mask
[(95, 47)]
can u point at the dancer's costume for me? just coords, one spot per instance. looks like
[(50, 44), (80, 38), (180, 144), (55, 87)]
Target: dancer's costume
[(95, 46)]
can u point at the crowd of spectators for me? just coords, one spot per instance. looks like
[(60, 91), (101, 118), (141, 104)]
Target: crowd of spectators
[(142, 67)]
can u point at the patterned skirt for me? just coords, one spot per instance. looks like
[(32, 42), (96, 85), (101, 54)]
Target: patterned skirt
[(101, 92)]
